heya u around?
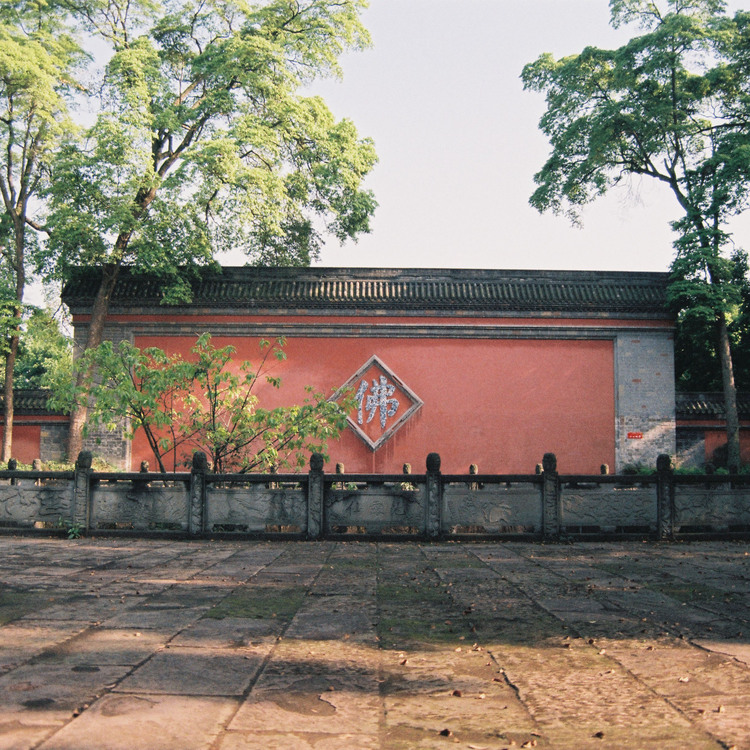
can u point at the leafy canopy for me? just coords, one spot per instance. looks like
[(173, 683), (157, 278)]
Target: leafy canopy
[(201, 143), (45, 353), (38, 60), (671, 104)]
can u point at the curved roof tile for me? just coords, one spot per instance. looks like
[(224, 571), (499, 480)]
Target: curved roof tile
[(362, 289)]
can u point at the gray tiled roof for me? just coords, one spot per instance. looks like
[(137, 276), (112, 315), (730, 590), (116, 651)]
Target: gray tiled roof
[(708, 405), (248, 287), (29, 402)]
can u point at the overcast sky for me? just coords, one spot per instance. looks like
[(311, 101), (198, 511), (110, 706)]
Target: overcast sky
[(457, 138)]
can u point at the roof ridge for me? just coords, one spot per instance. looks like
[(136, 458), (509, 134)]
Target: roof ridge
[(419, 289)]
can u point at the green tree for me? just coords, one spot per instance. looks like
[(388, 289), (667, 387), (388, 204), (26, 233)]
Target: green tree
[(206, 402), (37, 59), (202, 143), (697, 365), (45, 353), (673, 105), (130, 389), (225, 419)]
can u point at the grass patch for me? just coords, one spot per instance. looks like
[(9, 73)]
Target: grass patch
[(692, 592), (398, 632), (257, 603), (15, 604), (616, 569), (354, 563), (413, 611), (452, 563), (410, 592)]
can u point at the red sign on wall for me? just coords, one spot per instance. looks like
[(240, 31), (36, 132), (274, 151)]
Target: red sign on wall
[(635, 436)]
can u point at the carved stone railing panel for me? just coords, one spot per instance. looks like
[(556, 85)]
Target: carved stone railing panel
[(152, 508), (609, 509), (663, 504), (493, 509), (256, 509), (380, 509), (26, 505), (720, 508)]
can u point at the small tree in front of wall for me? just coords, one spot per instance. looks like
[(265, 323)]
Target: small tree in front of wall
[(225, 419), (202, 403)]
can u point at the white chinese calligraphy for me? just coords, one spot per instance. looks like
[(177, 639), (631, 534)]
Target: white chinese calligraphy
[(378, 400), (383, 402)]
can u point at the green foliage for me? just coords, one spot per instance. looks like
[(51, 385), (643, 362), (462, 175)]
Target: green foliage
[(38, 58), (696, 299), (225, 419), (207, 402), (201, 143), (73, 529), (669, 104), (44, 357), (45, 354), (637, 469), (673, 104), (133, 389)]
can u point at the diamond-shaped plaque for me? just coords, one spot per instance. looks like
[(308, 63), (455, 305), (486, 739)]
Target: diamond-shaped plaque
[(384, 403)]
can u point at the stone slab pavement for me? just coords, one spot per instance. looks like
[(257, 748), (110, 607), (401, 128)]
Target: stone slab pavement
[(109, 644)]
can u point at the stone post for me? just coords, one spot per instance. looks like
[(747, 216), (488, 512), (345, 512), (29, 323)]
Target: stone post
[(80, 513), (13, 466), (664, 497), (551, 501), (434, 497), (340, 469), (473, 471), (36, 465), (315, 497), (140, 486), (197, 508)]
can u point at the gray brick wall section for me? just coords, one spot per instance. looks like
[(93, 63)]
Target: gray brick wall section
[(644, 397), (52, 442), (110, 446)]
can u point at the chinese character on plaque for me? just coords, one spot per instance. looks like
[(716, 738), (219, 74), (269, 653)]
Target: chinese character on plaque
[(383, 403)]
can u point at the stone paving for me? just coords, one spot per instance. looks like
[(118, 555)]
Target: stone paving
[(109, 644)]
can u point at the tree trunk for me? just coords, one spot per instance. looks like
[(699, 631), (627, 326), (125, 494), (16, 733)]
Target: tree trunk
[(16, 261), (10, 362), (730, 396), (99, 312)]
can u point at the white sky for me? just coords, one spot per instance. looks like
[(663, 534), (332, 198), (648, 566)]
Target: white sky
[(457, 138)]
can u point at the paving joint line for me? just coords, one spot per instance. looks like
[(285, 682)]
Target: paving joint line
[(224, 726)]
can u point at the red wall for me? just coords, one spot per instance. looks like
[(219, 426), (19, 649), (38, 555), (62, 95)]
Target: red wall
[(716, 437), (498, 403), (26, 441)]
